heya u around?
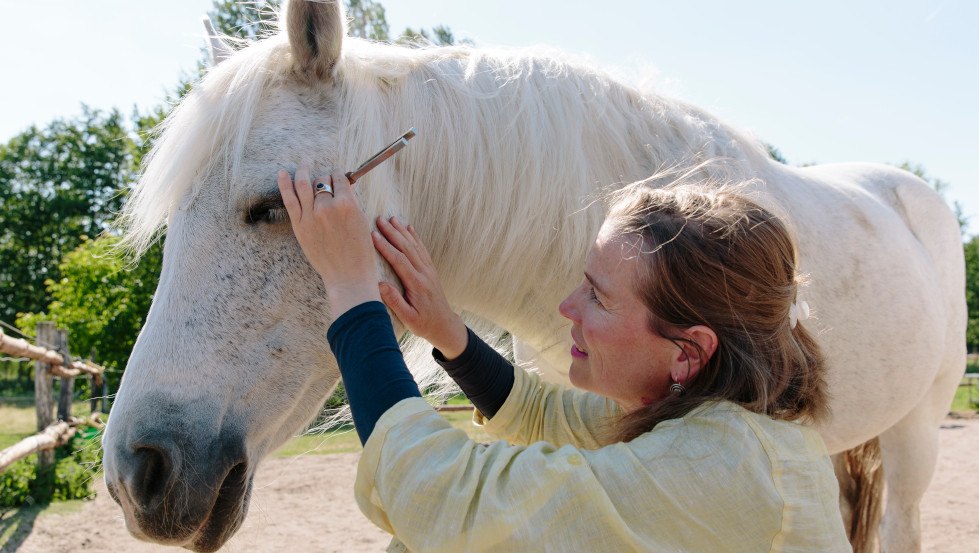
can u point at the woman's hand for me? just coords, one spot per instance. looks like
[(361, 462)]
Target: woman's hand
[(423, 308), (335, 236)]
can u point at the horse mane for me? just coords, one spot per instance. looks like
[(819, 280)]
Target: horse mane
[(504, 132), (489, 104)]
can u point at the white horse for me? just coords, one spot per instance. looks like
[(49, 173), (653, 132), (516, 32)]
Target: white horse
[(511, 148)]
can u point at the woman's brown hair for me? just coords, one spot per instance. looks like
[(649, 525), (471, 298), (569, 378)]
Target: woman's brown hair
[(710, 256)]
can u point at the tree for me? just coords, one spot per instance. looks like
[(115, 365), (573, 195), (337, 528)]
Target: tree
[(972, 292), (57, 185), (366, 19), (440, 35), (775, 153), (247, 21), (101, 299)]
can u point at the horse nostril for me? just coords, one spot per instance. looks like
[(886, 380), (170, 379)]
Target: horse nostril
[(154, 469)]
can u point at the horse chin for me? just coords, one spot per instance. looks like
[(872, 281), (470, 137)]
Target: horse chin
[(205, 530), (227, 514)]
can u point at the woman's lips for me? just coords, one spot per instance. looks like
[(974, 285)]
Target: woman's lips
[(575, 352)]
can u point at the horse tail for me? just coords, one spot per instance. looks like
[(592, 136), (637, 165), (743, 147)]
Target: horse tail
[(861, 476)]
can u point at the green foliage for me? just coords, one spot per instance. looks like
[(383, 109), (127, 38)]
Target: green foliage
[(247, 21), (366, 19), (57, 185), (440, 35), (76, 465), (101, 300), (775, 153), (16, 482), (337, 399), (972, 292), (16, 379)]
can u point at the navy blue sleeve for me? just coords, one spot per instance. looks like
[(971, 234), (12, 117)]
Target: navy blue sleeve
[(484, 375), (374, 372)]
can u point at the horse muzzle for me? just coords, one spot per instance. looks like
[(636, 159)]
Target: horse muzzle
[(178, 489)]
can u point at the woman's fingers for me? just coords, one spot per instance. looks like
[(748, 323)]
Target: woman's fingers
[(304, 190), (400, 238), (289, 198), (394, 300), (402, 266), (342, 190), (422, 250)]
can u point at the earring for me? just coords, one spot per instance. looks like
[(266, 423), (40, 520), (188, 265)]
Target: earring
[(677, 388)]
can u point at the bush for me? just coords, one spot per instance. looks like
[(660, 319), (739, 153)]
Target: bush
[(71, 476), (15, 483)]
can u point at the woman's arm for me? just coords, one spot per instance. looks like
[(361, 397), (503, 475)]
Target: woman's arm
[(375, 377), (335, 237)]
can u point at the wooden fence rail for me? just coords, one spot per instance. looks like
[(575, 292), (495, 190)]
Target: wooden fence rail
[(54, 436), (22, 348), (51, 363)]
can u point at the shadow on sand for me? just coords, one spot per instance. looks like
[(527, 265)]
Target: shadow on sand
[(16, 525)]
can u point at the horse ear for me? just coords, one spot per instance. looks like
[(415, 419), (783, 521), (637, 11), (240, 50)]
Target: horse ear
[(316, 31), (219, 50)]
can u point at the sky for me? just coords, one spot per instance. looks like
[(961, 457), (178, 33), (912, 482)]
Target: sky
[(830, 81)]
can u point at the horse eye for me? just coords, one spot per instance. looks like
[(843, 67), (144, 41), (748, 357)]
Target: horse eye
[(266, 212)]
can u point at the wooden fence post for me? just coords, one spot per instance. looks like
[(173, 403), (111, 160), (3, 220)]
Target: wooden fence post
[(46, 336), (67, 382), (105, 394), (93, 396)]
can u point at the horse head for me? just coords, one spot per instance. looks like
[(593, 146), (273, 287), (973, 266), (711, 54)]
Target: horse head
[(233, 358)]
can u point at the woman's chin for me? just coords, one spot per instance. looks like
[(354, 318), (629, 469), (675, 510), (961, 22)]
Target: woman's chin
[(578, 374)]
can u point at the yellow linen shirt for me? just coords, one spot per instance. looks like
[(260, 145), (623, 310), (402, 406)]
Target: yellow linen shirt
[(719, 479)]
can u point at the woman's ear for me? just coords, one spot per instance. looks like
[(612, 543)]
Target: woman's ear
[(690, 359)]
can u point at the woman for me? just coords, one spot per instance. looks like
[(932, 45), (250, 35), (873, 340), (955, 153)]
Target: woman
[(695, 370)]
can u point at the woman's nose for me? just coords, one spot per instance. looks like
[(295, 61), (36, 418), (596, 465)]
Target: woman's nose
[(568, 308)]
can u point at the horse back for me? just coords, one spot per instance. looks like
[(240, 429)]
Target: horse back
[(884, 260)]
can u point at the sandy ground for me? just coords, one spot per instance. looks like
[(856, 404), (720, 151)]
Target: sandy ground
[(295, 510)]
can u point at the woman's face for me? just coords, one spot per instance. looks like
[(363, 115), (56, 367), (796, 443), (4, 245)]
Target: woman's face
[(615, 353)]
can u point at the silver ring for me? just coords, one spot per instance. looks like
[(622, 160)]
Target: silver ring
[(322, 187)]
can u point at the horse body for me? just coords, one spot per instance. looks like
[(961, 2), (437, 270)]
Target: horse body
[(504, 183)]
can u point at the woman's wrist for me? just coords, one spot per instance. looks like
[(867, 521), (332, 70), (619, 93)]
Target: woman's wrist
[(343, 297), (452, 341)]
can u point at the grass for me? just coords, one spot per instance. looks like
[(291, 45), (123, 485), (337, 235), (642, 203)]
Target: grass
[(342, 440), (345, 440), (19, 420), (961, 402)]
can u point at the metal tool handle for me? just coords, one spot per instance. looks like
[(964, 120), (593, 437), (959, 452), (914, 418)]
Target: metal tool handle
[(379, 157)]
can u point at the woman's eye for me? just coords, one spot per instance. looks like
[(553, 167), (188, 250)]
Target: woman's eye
[(593, 296)]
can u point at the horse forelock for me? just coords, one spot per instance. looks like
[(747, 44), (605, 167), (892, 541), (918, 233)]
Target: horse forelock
[(208, 127)]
